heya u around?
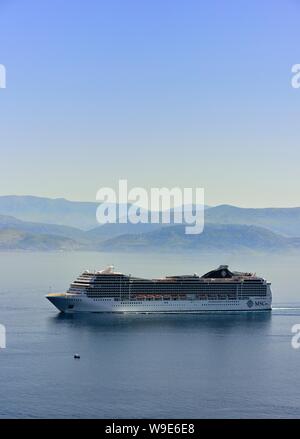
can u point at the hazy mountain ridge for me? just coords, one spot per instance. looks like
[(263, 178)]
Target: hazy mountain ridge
[(12, 239), (285, 221), (16, 234), (9, 222), (214, 237), (225, 227), (82, 215), (58, 211), (107, 231)]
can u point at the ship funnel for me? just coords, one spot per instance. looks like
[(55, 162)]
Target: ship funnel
[(108, 270)]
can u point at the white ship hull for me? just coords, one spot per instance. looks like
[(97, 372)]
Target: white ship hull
[(68, 303)]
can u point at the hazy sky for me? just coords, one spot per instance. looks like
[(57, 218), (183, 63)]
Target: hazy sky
[(160, 92)]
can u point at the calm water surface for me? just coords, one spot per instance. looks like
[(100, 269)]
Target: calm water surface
[(238, 365)]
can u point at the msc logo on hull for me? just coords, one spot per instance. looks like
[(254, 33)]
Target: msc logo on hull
[(250, 303), (260, 303)]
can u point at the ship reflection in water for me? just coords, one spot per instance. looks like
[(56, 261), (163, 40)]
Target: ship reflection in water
[(194, 321)]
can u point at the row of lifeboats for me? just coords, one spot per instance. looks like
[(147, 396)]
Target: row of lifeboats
[(157, 296), (179, 296)]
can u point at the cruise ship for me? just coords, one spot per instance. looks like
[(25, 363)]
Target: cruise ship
[(219, 290)]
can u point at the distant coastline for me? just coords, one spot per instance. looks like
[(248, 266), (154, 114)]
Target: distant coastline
[(30, 223)]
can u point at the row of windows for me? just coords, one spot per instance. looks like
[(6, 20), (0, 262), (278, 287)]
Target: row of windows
[(214, 299), (223, 303), (134, 287), (175, 296)]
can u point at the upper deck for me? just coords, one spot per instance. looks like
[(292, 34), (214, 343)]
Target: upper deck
[(221, 274), (220, 283)]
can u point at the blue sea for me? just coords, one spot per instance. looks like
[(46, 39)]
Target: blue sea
[(145, 366)]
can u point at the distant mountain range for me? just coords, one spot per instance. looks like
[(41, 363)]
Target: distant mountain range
[(10, 222), (52, 211), (82, 215), (12, 239), (21, 235), (33, 223), (78, 214), (228, 237), (285, 221)]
